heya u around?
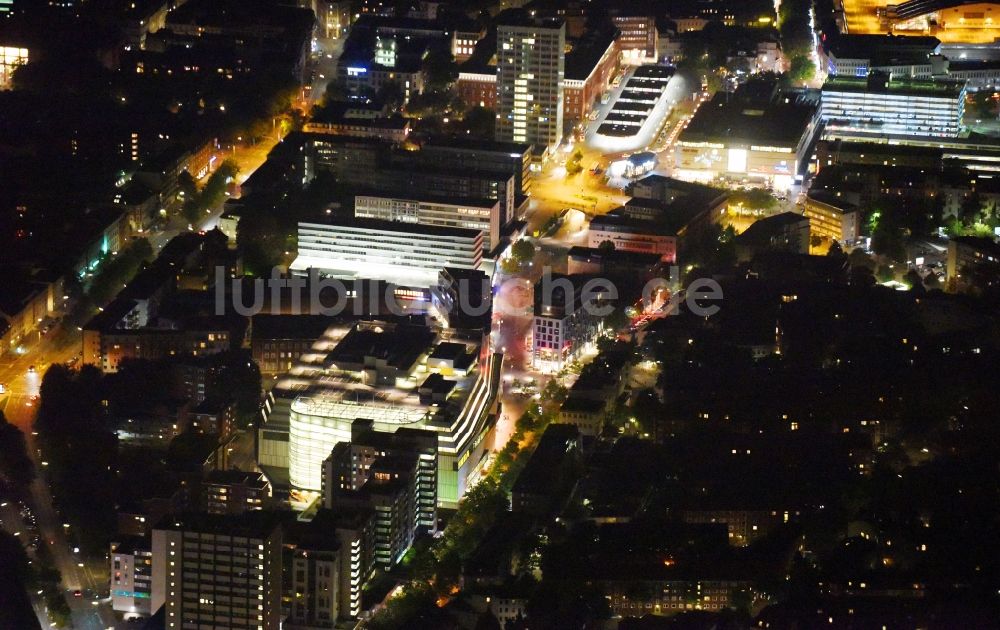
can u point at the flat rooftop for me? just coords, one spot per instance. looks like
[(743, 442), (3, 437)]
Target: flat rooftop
[(729, 119), (905, 87), (399, 346)]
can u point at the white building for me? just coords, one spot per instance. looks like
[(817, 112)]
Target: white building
[(406, 254), (565, 319), (531, 62), (881, 105), (484, 215), (131, 573), (375, 371)]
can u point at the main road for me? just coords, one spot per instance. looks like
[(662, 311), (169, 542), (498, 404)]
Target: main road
[(90, 611)]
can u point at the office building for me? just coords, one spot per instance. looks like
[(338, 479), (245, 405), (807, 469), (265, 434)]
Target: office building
[(757, 133), (375, 370), (483, 215), (131, 575), (565, 318), (406, 254), (632, 235), (637, 39), (505, 158), (235, 491), (858, 55), (211, 570), (880, 105), (530, 71)]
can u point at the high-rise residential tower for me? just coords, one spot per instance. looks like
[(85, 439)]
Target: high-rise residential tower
[(530, 68)]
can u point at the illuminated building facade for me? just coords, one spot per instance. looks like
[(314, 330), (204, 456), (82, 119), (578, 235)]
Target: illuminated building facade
[(483, 215), (631, 235), (832, 217), (565, 321), (880, 105), (131, 572), (530, 70), (589, 69), (757, 134), (376, 371), (638, 38), (403, 253), (210, 567)]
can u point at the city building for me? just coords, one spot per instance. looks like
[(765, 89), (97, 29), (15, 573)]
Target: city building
[(483, 215), (786, 232), (211, 567), (235, 491), (858, 55), (406, 254), (131, 575), (638, 38), (346, 536), (315, 584), (744, 525), (615, 262), (31, 299), (505, 158), (462, 298), (881, 105), (216, 416), (106, 342), (586, 414), (10, 58), (832, 216), (565, 318), (393, 474), (590, 66), (463, 43), (375, 370), (628, 234), (968, 253), (978, 153), (277, 341), (478, 87), (388, 128), (530, 71), (351, 465), (758, 133)]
